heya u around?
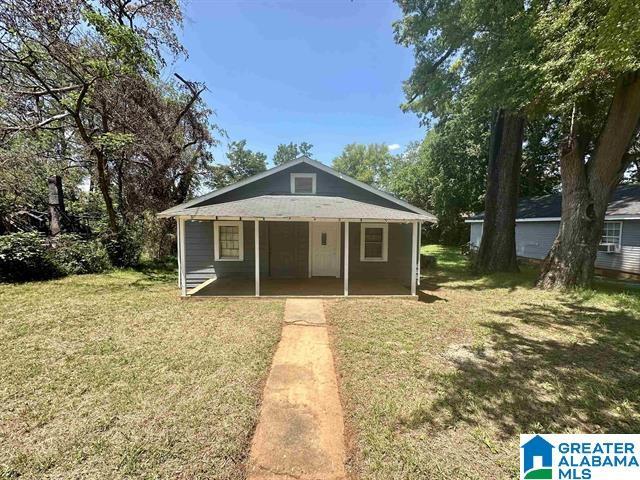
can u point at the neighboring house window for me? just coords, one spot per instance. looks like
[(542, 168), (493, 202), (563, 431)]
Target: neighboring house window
[(374, 242), (228, 241), (303, 183), (611, 237)]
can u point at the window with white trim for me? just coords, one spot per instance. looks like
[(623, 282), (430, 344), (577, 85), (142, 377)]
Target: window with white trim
[(611, 240), (228, 243), (303, 183), (374, 242)]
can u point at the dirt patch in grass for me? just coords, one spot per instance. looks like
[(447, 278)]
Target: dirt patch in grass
[(441, 388), (112, 376)]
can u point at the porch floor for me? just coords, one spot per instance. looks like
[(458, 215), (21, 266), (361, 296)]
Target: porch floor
[(302, 287)]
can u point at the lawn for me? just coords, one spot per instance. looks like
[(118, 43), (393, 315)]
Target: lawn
[(441, 388), (113, 376)]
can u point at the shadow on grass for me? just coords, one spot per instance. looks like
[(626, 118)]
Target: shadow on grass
[(428, 298), (157, 271), (524, 380), (462, 278)]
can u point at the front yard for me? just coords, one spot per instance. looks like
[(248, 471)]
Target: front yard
[(441, 388), (113, 376)]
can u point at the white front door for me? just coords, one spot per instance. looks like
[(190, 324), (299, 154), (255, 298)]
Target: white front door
[(324, 247)]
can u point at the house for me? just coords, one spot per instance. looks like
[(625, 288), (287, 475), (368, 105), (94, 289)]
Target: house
[(539, 448), (538, 222), (299, 228)]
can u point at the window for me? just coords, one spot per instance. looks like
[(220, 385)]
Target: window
[(611, 237), (374, 239), (228, 241), (304, 183), (323, 238)]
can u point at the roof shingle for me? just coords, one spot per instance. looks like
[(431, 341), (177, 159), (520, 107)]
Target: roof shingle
[(300, 206), (624, 202)]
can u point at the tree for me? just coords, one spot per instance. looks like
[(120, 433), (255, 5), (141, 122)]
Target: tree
[(243, 163), (158, 142), (446, 173), (368, 163), (26, 161), (540, 173), (291, 151), (590, 65), (497, 252), (90, 70), (474, 52)]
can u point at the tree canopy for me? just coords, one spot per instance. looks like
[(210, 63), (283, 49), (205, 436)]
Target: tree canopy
[(368, 163), (243, 163), (291, 151), (81, 88)]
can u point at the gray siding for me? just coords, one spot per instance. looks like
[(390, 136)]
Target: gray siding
[(534, 240), (199, 253), (628, 260), (280, 184), (475, 234), (284, 252), (398, 264)]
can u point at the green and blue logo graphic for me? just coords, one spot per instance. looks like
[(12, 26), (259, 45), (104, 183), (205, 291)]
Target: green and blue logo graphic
[(537, 459), (580, 457)]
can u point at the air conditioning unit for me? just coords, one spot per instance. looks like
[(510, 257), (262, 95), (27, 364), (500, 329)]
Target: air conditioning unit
[(608, 247)]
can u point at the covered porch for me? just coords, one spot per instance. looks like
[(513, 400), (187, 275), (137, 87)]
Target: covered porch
[(302, 246), (295, 287)]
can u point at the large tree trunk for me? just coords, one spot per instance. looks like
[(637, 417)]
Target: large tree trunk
[(497, 251), (586, 189)]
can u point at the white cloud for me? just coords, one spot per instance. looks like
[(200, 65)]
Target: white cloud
[(393, 146)]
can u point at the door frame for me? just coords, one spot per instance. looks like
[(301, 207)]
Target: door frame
[(311, 244)]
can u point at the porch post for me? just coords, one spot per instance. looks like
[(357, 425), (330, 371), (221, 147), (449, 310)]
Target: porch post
[(346, 259), (256, 241), (178, 252), (419, 250), (414, 251), (183, 256)]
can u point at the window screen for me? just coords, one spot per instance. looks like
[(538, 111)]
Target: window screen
[(373, 238), (611, 233), (303, 184), (229, 241)]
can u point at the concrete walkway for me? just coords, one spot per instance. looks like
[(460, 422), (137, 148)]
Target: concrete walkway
[(300, 434)]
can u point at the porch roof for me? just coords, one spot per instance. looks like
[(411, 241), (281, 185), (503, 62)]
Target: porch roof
[(298, 207)]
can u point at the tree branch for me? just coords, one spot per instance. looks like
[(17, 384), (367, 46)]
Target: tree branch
[(35, 126)]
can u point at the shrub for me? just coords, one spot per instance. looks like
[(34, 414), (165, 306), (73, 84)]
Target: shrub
[(25, 256), (159, 239), (124, 248), (77, 256)]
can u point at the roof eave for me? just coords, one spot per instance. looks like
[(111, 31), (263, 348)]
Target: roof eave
[(196, 216)]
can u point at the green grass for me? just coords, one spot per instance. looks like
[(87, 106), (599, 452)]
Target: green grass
[(441, 388), (113, 376)]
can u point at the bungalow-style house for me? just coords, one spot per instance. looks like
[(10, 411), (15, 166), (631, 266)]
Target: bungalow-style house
[(300, 228), (538, 222)]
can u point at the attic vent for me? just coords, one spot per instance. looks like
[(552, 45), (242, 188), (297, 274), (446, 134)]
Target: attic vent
[(303, 183)]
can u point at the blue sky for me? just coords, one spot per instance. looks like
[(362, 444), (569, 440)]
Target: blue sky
[(325, 72)]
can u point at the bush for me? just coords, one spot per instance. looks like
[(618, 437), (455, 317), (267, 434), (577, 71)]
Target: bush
[(76, 256), (124, 248), (25, 256), (159, 239)]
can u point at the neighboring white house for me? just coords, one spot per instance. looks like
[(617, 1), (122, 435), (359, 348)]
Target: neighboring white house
[(538, 221)]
